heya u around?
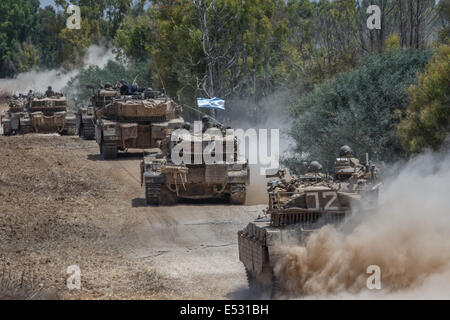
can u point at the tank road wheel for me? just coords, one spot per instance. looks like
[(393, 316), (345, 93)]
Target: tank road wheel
[(157, 194), (237, 195), (108, 150)]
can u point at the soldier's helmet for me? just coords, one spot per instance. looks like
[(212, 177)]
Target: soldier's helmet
[(345, 151), (108, 85), (205, 118), (314, 166), (122, 81), (49, 88)]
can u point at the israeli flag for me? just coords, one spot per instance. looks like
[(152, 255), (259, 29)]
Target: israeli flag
[(214, 103)]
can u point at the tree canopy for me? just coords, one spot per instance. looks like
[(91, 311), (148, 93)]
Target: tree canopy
[(427, 121), (360, 108), (348, 83)]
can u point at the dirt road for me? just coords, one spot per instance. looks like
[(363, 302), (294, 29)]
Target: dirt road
[(96, 218), (192, 244)]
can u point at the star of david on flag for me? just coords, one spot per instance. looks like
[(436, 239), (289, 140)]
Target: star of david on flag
[(214, 103)]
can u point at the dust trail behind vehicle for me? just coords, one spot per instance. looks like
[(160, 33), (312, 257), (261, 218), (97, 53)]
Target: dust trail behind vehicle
[(408, 237)]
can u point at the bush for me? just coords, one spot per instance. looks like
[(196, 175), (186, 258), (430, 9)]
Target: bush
[(427, 122), (360, 108)]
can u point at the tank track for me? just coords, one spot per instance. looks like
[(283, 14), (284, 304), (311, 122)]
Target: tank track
[(152, 193), (7, 131), (252, 284), (87, 131), (237, 193), (25, 129), (108, 150), (71, 130), (157, 194)]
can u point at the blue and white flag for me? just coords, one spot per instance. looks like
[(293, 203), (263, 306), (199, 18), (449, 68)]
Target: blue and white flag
[(214, 103)]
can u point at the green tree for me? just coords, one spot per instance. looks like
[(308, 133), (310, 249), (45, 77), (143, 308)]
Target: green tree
[(359, 108), (26, 57), (18, 20), (444, 12), (50, 25), (77, 92), (427, 121), (135, 37)]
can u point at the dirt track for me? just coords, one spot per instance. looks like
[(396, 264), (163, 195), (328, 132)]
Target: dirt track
[(62, 205)]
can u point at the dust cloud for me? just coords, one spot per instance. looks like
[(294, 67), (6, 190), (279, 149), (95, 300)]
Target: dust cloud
[(38, 81), (257, 188), (271, 112), (407, 236)]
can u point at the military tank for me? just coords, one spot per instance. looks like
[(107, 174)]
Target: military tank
[(298, 206), (49, 114), (135, 121), (166, 180), (16, 120), (86, 116)]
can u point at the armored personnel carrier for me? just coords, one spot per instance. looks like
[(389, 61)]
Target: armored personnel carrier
[(15, 120), (298, 207), (167, 180), (49, 114), (100, 98), (135, 121)]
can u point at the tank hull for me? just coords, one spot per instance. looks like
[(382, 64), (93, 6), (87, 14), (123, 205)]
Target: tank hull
[(39, 115), (135, 123), (218, 180), (195, 182), (292, 218), (59, 122), (259, 242), (120, 136)]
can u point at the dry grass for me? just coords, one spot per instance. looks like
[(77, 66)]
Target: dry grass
[(56, 212), (13, 287)]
